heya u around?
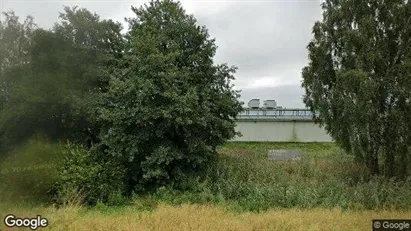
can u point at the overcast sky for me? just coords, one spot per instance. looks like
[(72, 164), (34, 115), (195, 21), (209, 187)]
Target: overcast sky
[(266, 40)]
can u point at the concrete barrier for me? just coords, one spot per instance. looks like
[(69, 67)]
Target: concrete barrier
[(280, 130)]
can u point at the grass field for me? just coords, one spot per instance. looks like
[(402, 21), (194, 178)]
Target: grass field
[(204, 217), (326, 190)]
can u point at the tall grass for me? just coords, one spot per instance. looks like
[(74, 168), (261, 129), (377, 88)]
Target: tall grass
[(326, 177), (202, 217)]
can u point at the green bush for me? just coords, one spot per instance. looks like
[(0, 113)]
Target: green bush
[(29, 172), (117, 198), (90, 173)]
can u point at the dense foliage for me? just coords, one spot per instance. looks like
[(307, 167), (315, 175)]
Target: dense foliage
[(15, 43), (358, 80)]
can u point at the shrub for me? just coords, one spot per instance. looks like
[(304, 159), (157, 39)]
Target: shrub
[(88, 171), (71, 197)]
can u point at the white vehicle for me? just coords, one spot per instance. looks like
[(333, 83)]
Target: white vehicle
[(254, 103)]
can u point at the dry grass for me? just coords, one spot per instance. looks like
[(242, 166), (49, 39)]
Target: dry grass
[(204, 217)]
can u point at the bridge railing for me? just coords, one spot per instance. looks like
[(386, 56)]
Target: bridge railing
[(284, 113)]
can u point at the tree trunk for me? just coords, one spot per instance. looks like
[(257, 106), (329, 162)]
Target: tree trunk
[(389, 162), (403, 162), (373, 161)]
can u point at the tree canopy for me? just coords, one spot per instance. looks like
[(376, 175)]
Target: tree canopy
[(358, 80)]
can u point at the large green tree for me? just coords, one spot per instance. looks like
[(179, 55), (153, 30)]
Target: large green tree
[(358, 80), (168, 105), (59, 82), (15, 43)]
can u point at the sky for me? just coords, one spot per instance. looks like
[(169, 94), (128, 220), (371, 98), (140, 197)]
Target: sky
[(265, 39)]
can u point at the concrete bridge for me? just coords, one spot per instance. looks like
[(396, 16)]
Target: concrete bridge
[(279, 125)]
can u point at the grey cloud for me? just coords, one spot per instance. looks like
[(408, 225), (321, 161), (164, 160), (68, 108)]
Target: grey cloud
[(262, 37), (46, 12)]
